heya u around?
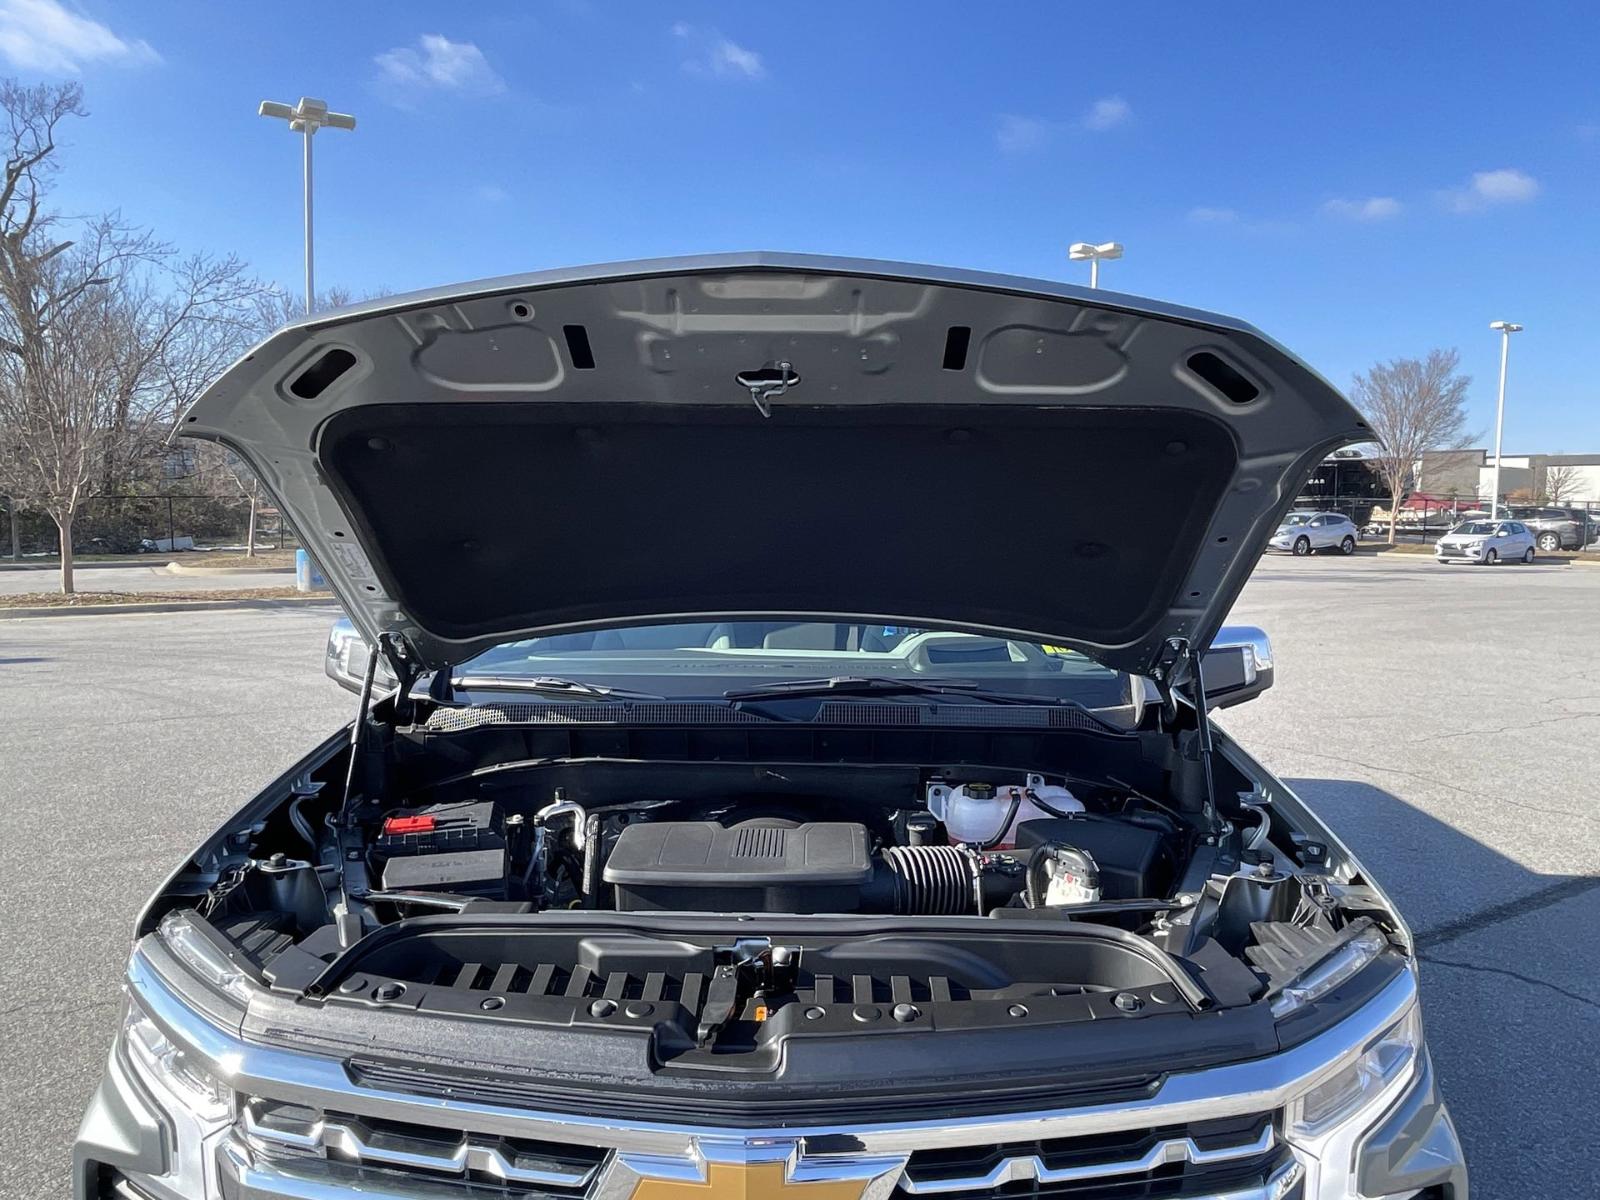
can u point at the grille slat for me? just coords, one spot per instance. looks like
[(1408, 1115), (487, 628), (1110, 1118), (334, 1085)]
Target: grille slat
[(424, 1152), (1231, 1155)]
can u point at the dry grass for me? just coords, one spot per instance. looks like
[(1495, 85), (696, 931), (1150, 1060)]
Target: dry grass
[(263, 560), (90, 599)]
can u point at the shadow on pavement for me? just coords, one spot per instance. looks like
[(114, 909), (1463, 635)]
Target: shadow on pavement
[(1510, 984)]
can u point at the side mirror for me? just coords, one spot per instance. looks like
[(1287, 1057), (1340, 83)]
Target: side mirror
[(345, 660), (1238, 666)]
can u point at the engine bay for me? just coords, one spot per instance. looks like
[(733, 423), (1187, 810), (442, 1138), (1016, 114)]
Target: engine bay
[(1018, 849), (733, 896)]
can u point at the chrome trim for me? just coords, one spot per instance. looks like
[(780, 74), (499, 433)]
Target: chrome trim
[(349, 1139), (259, 1181), (321, 1082), (1031, 1167)]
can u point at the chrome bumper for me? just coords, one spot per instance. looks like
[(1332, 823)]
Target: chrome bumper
[(1410, 1145)]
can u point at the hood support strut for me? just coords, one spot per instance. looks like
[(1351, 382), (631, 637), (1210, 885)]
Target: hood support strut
[(1181, 664), (349, 912)]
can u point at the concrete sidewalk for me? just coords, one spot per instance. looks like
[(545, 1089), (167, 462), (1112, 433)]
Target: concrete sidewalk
[(150, 576)]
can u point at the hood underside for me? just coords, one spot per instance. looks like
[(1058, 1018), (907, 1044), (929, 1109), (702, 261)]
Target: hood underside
[(779, 436)]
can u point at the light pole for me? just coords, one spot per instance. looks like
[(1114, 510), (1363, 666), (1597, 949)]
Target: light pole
[(1506, 329), (1080, 251), (306, 118)]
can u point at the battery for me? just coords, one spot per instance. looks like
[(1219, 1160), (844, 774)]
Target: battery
[(450, 847), (469, 872), (441, 828)]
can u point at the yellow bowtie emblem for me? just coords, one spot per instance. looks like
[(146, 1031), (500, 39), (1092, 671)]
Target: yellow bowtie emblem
[(755, 1181)]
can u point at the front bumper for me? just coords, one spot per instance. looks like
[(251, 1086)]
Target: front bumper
[(130, 1147)]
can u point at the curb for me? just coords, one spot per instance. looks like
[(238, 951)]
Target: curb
[(146, 560), (86, 610), (180, 569)]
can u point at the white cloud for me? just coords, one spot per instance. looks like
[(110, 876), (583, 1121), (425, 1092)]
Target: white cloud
[(44, 35), (1213, 216), (1107, 113), (716, 55), (1505, 186), (1015, 134), (1374, 208), (437, 62), (492, 193)]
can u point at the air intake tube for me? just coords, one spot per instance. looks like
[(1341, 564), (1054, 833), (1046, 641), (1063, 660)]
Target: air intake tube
[(927, 880)]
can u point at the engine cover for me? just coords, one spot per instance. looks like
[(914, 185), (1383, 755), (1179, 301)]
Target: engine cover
[(754, 866)]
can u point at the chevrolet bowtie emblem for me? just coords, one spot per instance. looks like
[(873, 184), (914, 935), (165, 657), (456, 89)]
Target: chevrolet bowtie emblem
[(764, 1170)]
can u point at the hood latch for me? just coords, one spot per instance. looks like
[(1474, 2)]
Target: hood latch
[(768, 383)]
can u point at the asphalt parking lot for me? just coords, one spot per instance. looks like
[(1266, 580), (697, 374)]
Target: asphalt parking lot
[(1445, 719)]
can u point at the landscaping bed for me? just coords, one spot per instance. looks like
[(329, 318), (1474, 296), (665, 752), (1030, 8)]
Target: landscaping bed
[(90, 599)]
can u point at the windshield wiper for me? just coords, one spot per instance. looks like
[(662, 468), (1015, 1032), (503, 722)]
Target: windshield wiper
[(550, 685), (875, 685)]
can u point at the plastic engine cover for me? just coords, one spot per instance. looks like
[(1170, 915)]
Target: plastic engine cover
[(755, 866)]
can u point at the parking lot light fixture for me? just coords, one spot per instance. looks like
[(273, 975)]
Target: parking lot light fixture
[(1506, 329), (306, 118), (1094, 253)]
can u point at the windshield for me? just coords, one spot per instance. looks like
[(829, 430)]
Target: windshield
[(702, 660), (1298, 518), (1480, 528)]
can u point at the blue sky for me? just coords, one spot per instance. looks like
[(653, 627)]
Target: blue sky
[(1362, 182)]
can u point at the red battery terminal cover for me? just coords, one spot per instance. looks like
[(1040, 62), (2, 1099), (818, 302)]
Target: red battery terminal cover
[(401, 825)]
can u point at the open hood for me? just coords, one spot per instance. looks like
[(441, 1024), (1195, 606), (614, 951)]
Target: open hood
[(779, 436)]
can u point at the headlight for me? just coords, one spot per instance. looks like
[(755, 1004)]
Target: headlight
[(203, 957), (1328, 974), (172, 1072), (1379, 1068)]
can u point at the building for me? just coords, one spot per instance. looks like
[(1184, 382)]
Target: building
[(1522, 476)]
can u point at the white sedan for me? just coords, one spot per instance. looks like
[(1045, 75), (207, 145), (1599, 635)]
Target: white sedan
[(1486, 542)]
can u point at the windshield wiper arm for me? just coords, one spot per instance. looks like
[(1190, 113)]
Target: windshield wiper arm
[(855, 685), (551, 685)]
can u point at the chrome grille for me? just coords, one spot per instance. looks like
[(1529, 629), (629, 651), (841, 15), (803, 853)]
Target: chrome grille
[(359, 1150)]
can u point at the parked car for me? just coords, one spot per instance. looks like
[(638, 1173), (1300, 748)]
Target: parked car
[(644, 879), (1556, 528), (1301, 533), (1486, 542)]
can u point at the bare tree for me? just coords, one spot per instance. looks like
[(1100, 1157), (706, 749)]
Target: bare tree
[(102, 336), (1412, 405), (1562, 482)]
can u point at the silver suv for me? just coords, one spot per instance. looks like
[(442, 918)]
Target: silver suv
[(1302, 533)]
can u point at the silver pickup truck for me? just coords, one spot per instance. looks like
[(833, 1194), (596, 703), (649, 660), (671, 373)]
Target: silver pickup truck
[(774, 773)]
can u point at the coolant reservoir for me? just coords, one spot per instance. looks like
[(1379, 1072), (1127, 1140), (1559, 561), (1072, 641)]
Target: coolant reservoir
[(975, 812)]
